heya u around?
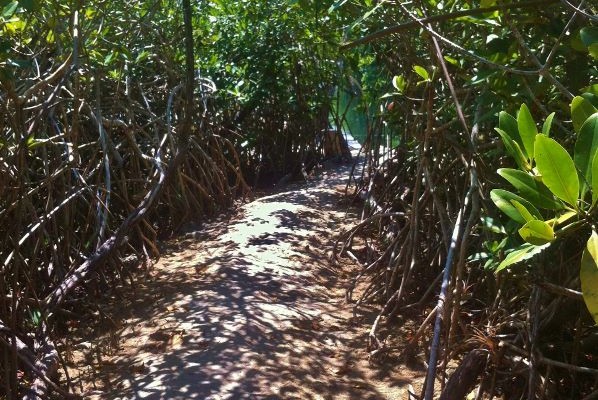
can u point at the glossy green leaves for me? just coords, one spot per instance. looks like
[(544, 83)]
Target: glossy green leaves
[(555, 174), (585, 149), (537, 232), (506, 202), (588, 274), (422, 72), (595, 179), (9, 9), (514, 149), (522, 253), (549, 178), (547, 124), (557, 169), (589, 38), (509, 133), (518, 135), (581, 110), (531, 188), (508, 124), (534, 231), (400, 83), (527, 130)]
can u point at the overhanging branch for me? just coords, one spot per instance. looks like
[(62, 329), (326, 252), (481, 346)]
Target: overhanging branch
[(444, 17)]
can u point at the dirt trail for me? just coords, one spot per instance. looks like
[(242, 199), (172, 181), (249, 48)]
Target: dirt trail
[(248, 308)]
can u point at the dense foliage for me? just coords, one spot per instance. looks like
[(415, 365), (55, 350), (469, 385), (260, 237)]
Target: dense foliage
[(121, 121), (435, 76), (106, 143)]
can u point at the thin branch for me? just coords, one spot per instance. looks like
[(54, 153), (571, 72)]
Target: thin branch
[(557, 44), (456, 236), (548, 361), (38, 367), (46, 81), (560, 290), (576, 9), (543, 70), (441, 18), (464, 50)]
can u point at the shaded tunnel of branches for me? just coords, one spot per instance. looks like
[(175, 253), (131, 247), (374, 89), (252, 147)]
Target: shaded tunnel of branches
[(117, 128), (430, 158), (102, 156)]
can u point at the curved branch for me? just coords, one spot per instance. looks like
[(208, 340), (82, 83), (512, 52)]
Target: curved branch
[(440, 18), (46, 81), (463, 50), (578, 10)]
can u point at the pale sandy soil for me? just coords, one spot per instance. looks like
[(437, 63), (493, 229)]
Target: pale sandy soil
[(246, 307)]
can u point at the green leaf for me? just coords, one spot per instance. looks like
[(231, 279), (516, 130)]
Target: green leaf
[(36, 316), (585, 150), (10, 9), (581, 110), (537, 232), (142, 56), (451, 60), (557, 169), (513, 149), (108, 59), (338, 4), (508, 124), (547, 124), (576, 43), (421, 71), (527, 130), (503, 200), (478, 21), (527, 216), (492, 225), (595, 179), (522, 253), (530, 188), (562, 218), (592, 90), (30, 141), (589, 37), (588, 275), (591, 97), (399, 83)]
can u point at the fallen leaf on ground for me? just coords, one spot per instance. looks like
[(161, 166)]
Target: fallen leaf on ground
[(176, 340)]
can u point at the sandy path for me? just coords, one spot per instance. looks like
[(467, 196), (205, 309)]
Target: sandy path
[(249, 308)]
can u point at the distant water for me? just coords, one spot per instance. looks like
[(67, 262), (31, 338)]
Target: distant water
[(356, 119)]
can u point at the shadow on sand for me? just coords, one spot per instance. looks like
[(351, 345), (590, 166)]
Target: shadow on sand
[(249, 308)]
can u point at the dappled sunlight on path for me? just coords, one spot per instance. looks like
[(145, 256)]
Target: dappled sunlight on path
[(249, 308)]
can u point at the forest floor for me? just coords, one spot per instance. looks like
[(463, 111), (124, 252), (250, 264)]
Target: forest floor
[(248, 306)]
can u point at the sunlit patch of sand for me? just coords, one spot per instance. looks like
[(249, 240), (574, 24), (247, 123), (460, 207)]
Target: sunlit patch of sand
[(250, 308)]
